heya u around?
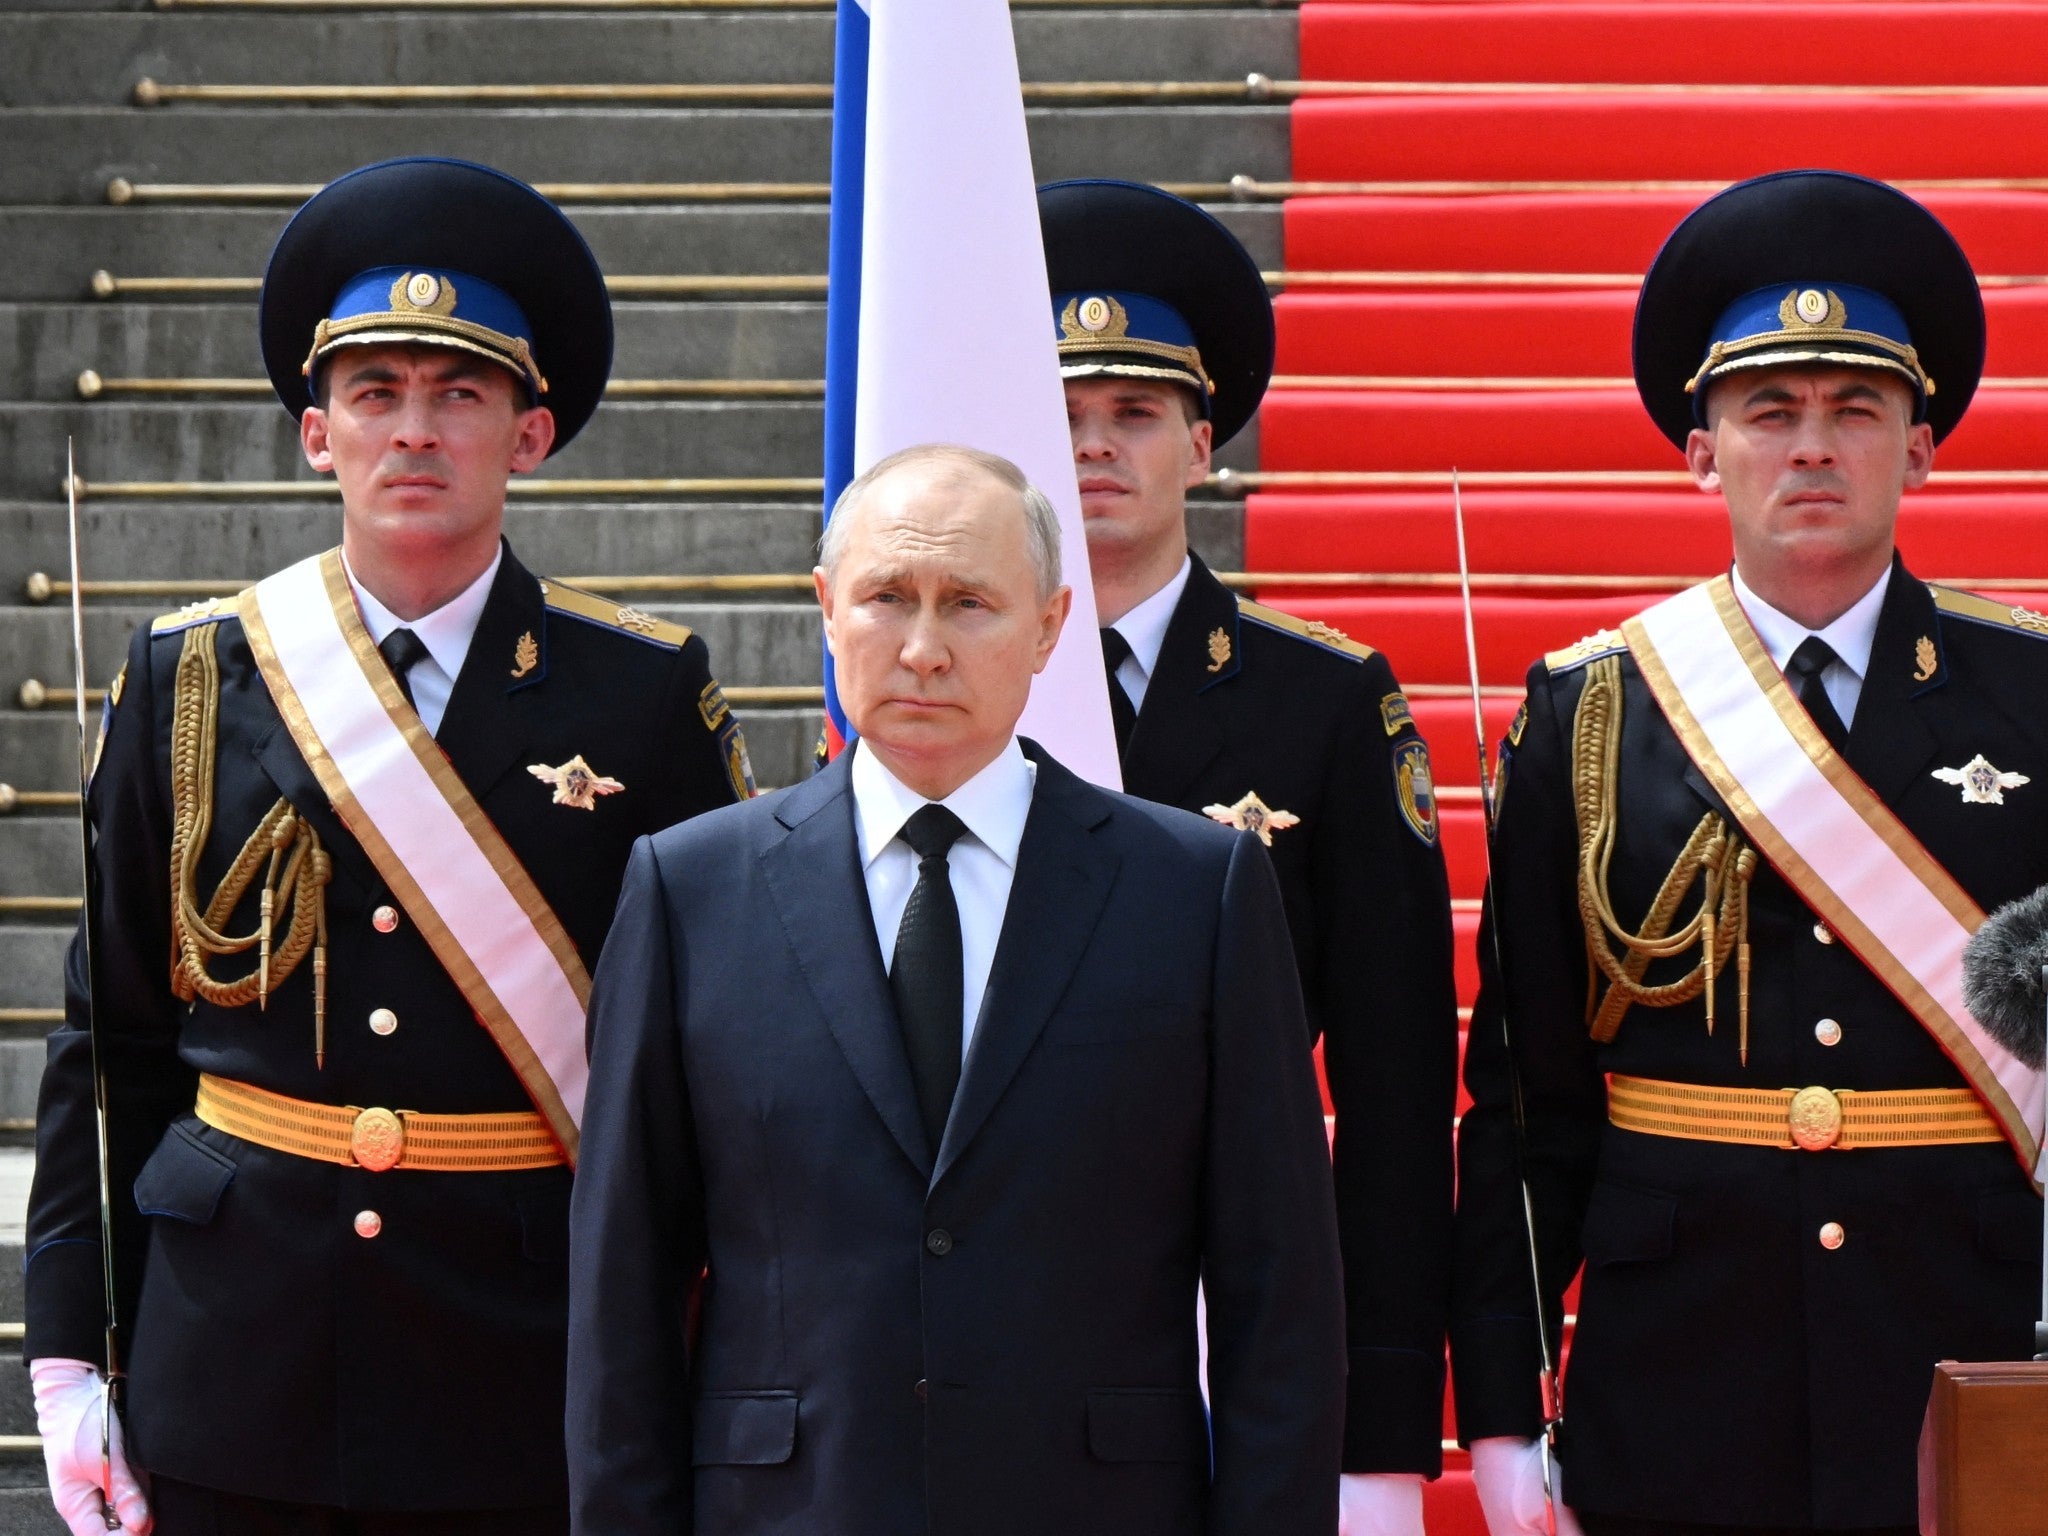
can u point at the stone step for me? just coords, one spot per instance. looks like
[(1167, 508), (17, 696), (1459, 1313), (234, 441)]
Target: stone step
[(68, 154), (31, 976), (256, 440), (44, 346), (209, 441), (240, 541), (63, 59), (39, 856), (39, 750), (54, 251)]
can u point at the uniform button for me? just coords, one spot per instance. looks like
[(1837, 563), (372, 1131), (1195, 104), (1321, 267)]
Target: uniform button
[(384, 919), (1824, 933), (1832, 1236), (920, 1389), (1828, 1032), (938, 1241), (383, 1021), (368, 1223)]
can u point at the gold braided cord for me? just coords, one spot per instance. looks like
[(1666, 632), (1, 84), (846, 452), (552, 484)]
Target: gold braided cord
[(1713, 857), (284, 852)]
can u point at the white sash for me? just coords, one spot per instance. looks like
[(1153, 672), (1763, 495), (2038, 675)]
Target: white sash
[(1826, 832), (453, 872)]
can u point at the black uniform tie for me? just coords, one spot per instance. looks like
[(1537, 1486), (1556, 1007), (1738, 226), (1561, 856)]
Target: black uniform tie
[(1804, 670), (402, 650), (1116, 650), (927, 974)]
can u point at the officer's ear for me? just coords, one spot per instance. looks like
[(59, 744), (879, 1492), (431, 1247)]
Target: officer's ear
[(1700, 459), (1201, 441), (535, 439), (313, 438)]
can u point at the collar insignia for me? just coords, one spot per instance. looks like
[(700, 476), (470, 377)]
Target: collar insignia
[(1924, 659), (1251, 814), (1981, 783), (525, 655), (1219, 648), (576, 783)]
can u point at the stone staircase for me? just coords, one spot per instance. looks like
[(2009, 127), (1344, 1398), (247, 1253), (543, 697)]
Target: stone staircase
[(110, 207)]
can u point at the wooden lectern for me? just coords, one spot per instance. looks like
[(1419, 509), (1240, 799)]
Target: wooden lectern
[(1984, 1450)]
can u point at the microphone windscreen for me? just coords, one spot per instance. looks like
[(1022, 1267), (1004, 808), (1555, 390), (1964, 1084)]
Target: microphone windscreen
[(2002, 976)]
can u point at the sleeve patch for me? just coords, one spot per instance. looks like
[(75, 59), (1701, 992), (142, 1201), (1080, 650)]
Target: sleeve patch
[(712, 706), (1395, 714), (1519, 725), (1416, 790), (732, 746)]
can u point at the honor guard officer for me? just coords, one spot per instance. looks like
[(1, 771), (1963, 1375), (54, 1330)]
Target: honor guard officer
[(360, 831), (1292, 730), (1740, 844)]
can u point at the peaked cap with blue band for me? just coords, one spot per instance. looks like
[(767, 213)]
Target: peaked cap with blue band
[(442, 253), (1812, 267), (1147, 285)]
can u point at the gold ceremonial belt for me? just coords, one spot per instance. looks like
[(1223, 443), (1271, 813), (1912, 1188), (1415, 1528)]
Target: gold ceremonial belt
[(378, 1139), (1803, 1119)]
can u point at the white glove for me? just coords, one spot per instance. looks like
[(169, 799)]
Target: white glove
[(70, 1401), (1508, 1473), (1379, 1504)]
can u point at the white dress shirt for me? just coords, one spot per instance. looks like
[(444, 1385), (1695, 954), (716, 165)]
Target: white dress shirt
[(993, 806), (1850, 637), (1144, 630), (446, 633)]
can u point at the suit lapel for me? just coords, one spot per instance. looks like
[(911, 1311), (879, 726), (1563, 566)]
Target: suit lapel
[(484, 729), (1178, 734), (813, 875), (1063, 878), (1890, 743)]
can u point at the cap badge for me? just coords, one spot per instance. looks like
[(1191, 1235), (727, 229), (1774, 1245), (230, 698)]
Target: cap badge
[(575, 783), (1219, 648), (1924, 659), (1810, 309), (425, 292), (525, 655), (1981, 783), (1097, 316), (1251, 814)]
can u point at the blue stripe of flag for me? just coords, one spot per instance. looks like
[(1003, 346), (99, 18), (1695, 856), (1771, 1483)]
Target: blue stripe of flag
[(842, 299)]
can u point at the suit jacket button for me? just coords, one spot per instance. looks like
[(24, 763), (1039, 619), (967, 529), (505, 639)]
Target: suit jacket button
[(938, 1242), (384, 919), (920, 1389)]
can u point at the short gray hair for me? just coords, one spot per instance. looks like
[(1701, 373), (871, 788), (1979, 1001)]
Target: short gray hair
[(1041, 521)]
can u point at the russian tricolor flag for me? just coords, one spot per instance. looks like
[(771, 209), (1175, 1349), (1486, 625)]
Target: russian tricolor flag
[(938, 321)]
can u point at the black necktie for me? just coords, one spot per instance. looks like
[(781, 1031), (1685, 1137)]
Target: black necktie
[(926, 977), (402, 650), (1116, 650), (1804, 669)]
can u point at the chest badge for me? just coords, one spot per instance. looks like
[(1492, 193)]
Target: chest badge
[(1981, 783), (576, 783), (1219, 648), (1251, 814)]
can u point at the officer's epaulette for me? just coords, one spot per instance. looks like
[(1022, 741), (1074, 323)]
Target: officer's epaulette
[(208, 610), (612, 614), (1603, 643), (1312, 630), (1982, 610)]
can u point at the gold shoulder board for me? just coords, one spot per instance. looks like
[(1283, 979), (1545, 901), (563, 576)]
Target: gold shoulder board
[(1968, 605), (613, 614), (1604, 643), (1312, 630), (207, 610)]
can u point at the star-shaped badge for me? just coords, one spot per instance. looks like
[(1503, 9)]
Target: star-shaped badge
[(1251, 814), (576, 782), (1981, 783)]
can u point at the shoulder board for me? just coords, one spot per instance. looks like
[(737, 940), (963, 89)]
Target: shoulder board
[(610, 613), (1604, 643), (1312, 630), (208, 610), (1982, 610)]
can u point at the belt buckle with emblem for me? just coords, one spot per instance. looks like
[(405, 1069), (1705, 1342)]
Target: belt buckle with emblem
[(377, 1140), (1814, 1117)]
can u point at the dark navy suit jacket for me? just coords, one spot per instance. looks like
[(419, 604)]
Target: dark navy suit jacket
[(790, 1314)]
